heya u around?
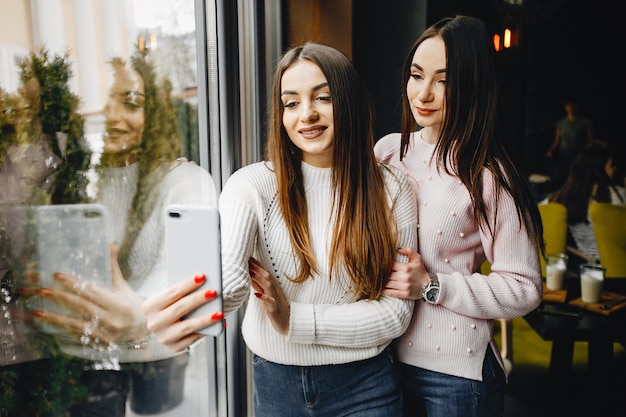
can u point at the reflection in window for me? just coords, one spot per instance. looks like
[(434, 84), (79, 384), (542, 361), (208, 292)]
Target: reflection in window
[(57, 149)]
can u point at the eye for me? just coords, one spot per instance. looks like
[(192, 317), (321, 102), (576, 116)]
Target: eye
[(416, 76), (290, 104), (326, 98), (132, 105)]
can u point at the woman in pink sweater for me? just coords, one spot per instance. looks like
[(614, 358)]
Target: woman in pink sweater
[(473, 205)]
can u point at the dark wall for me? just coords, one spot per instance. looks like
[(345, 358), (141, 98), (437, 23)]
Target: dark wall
[(383, 33), (566, 50)]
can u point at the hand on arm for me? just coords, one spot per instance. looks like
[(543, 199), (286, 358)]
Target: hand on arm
[(271, 295), (407, 280)]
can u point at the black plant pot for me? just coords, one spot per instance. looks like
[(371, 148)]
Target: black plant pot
[(108, 391), (158, 386)]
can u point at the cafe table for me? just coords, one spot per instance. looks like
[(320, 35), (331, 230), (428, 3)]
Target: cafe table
[(564, 324)]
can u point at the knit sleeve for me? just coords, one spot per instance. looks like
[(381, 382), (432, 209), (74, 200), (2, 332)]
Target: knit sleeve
[(514, 286), (239, 224)]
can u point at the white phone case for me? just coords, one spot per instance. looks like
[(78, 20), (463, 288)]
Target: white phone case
[(192, 247), (70, 238)]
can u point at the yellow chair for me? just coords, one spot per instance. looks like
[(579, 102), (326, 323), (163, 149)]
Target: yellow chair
[(554, 219), (609, 225)]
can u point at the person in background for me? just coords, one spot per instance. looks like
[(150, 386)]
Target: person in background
[(326, 219), (573, 133), (138, 174), (474, 205), (589, 180)]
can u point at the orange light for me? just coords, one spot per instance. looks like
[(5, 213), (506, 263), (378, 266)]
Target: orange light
[(496, 42), (153, 42), (507, 38)]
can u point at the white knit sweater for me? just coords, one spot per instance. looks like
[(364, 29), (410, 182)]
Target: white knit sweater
[(327, 324), (452, 337)]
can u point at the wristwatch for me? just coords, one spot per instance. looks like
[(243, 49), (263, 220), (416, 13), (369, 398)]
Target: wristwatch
[(430, 294)]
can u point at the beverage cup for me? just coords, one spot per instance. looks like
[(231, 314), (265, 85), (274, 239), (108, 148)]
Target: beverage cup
[(556, 265), (591, 280)]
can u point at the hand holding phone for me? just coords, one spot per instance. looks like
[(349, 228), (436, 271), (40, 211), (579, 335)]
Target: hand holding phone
[(192, 247)]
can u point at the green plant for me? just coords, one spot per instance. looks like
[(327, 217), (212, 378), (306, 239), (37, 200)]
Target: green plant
[(43, 109), (60, 123)]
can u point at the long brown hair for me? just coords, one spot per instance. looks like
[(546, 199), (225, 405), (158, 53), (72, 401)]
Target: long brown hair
[(364, 237), (469, 143), (157, 153)]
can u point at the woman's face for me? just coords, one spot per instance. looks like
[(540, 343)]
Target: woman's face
[(426, 87), (308, 112), (125, 116)]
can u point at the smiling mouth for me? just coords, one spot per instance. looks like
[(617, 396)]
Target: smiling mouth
[(310, 133), (115, 132)]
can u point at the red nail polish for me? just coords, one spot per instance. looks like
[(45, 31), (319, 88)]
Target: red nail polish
[(217, 315), (258, 294), (210, 294), (199, 278)]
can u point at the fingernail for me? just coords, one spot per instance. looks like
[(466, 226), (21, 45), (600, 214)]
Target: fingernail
[(199, 278), (258, 294), (45, 292), (217, 315), (210, 294), (59, 276)]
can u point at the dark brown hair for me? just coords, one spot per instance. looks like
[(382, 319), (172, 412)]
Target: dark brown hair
[(469, 143)]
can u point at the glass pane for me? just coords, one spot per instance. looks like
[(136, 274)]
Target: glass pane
[(98, 135)]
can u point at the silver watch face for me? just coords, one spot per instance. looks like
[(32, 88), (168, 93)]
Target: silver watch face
[(431, 294)]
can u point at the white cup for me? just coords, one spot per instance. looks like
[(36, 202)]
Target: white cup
[(591, 280), (556, 265)]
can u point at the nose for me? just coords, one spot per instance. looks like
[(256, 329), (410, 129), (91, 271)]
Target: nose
[(112, 110), (309, 112), (425, 95)]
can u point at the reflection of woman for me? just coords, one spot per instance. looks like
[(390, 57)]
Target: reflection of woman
[(326, 219), (138, 175)]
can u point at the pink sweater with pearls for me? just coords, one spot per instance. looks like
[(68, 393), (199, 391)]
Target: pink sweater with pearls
[(452, 337)]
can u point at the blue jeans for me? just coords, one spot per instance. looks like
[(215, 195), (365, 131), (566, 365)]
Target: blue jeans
[(433, 394), (368, 388)]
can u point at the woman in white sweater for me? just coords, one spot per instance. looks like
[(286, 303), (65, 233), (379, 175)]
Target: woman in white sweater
[(326, 219), (473, 205)]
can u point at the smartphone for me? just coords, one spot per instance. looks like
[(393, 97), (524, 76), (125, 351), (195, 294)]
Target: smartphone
[(70, 238), (192, 247)]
